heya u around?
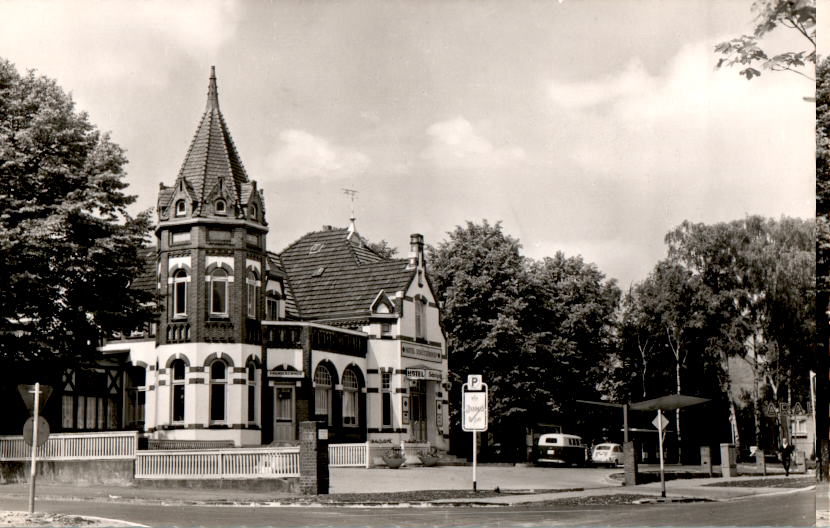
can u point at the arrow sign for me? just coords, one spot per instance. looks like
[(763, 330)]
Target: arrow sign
[(660, 422), (27, 392)]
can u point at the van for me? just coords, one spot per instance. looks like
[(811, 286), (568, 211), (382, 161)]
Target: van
[(558, 448)]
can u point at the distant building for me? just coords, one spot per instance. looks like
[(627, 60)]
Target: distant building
[(249, 342)]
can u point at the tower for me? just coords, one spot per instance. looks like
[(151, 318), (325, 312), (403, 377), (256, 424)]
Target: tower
[(212, 261)]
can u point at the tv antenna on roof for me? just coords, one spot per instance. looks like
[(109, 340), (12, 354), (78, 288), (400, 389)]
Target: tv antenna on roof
[(352, 193)]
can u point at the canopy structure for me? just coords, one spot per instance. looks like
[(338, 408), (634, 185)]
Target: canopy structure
[(667, 403)]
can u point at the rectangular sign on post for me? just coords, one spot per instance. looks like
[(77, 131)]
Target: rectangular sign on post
[(474, 411)]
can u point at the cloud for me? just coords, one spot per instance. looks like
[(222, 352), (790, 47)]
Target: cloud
[(632, 80), (117, 39), (300, 154), (456, 144), (694, 138)]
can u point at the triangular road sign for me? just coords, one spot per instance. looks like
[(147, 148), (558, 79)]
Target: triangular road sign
[(27, 392)]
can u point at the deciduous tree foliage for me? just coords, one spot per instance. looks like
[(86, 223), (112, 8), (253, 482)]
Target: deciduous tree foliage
[(796, 15), (823, 254), (68, 246), (538, 331)]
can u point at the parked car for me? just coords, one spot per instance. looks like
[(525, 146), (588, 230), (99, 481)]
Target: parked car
[(557, 448), (607, 453)]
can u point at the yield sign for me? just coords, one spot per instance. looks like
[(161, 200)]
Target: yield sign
[(27, 392), (660, 422)]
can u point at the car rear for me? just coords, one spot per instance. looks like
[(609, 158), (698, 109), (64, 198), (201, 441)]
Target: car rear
[(607, 453)]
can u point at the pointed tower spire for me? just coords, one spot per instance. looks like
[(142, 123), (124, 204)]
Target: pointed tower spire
[(213, 93)]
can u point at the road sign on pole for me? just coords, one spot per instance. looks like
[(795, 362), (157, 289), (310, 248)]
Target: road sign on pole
[(660, 422), (27, 392), (42, 431), (474, 412)]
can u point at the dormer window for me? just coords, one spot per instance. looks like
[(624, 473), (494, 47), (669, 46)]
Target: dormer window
[(253, 210), (181, 208), (220, 207)]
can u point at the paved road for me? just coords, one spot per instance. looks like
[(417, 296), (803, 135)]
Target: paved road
[(794, 509)]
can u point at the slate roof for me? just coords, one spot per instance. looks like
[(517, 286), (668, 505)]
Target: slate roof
[(333, 277), (212, 154)]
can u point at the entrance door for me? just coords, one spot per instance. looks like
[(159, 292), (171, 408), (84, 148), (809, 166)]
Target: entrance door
[(418, 411), (284, 421)]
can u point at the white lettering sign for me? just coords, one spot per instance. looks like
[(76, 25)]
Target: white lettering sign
[(474, 411), (286, 374), (422, 352), (423, 374)]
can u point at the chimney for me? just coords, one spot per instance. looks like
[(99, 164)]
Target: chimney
[(416, 250)]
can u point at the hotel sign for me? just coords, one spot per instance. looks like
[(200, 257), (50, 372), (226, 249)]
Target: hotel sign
[(423, 374), (295, 374), (422, 352)]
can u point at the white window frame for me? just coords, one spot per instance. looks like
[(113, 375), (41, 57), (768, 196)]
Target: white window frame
[(180, 277), (251, 382), (213, 278), (178, 382), (213, 382), (252, 293), (351, 391), (323, 390), (180, 208)]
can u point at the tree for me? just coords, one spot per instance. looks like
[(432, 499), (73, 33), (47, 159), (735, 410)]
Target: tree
[(757, 279), (670, 297), (822, 258), (574, 318), (481, 275), (70, 250), (540, 332), (382, 248), (798, 15)]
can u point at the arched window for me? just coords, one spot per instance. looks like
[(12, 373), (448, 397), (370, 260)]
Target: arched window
[(218, 382), (180, 293), (322, 393), (177, 396), (252, 293), (251, 393), (181, 208), (350, 400), (219, 207), (253, 209), (219, 292)]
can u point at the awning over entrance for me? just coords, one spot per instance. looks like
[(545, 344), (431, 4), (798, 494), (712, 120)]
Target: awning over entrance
[(667, 403)]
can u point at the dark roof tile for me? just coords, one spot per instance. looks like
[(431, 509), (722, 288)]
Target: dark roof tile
[(351, 278)]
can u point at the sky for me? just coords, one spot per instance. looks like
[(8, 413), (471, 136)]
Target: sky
[(591, 127)]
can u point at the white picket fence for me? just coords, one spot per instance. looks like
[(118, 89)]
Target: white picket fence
[(74, 446), (349, 455), (213, 464)]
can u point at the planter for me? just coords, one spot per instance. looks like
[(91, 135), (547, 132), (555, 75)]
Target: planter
[(393, 462), (428, 460)]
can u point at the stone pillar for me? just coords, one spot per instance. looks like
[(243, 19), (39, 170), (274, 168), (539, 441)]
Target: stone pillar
[(799, 461), (728, 460), (760, 462), (314, 458), (630, 463), (706, 460)]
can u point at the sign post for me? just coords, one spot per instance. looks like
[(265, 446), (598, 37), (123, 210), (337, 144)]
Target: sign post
[(660, 423), (36, 429), (474, 412)]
